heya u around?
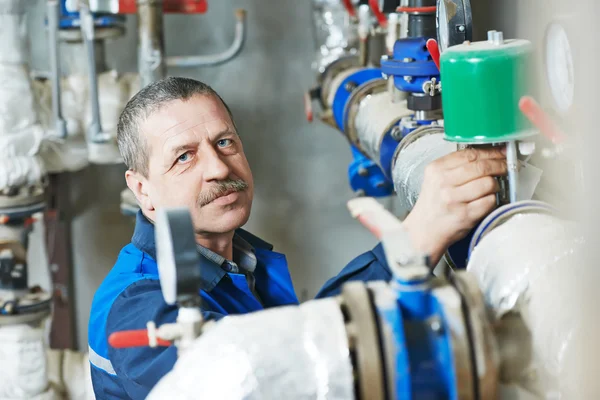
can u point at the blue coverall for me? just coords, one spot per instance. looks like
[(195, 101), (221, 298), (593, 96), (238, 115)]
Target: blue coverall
[(130, 296)]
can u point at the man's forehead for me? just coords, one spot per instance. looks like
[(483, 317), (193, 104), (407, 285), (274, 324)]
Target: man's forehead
[(178, 116)]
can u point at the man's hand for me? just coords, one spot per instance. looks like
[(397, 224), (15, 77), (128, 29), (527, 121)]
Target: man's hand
[(458, 190)]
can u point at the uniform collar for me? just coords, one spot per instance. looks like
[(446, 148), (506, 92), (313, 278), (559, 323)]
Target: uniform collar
[(211, 273)]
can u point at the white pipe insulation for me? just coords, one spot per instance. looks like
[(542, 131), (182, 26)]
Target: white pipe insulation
[(530, 265), (20, 133), (415, 152), (296, 352)]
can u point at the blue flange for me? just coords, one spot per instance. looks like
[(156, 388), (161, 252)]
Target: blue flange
[(366, 176), (387, 151), (411, 60), (424, 360), (344, 91)]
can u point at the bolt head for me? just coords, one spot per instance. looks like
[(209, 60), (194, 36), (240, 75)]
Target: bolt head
[(461, 28), (408, 79), (363, 172)]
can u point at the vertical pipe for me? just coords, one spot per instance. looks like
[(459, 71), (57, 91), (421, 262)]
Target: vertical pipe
[(511, 160), (364, 27), (151, 60), (87, 29), (53, 11)]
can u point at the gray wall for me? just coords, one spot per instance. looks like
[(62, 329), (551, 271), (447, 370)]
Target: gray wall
[(299, 168)]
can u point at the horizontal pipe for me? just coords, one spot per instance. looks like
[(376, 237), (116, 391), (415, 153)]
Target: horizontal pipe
[(220, 58)]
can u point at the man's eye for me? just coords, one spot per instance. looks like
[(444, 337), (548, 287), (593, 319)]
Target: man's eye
[(224, 142), (184, 157)]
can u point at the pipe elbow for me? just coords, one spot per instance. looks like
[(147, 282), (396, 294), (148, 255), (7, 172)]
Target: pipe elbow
[(220, 58)]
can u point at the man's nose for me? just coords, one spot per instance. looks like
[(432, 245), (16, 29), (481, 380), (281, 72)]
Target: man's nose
[(214, 168)]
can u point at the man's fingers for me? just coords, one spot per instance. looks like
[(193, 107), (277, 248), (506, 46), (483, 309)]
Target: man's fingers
[(472, 190), (470, 155), (475, 170), (480, 208)]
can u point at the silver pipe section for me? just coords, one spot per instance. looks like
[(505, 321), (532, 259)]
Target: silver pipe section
[(512, 164), (417, 150), (95, 133), (151, 52), (216, 59), (364, 32), (53, 12)]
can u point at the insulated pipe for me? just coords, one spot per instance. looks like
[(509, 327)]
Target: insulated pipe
[(527, 262), (53, 11), (316, 363), (216, 59), (95, 133), (417, 150)]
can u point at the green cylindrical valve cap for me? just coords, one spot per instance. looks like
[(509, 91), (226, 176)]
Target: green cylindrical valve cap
[(482, 83)]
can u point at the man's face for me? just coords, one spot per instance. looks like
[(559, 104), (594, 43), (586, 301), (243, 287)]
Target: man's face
[(196, 160)]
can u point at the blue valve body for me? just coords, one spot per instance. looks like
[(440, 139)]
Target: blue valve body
[(411, 65), (424, 361)]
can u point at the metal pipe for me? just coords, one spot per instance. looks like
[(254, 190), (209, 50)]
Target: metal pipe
[(512, 164), (151, 60), (53, 11), (87, 29), (220, 58), (364, 28)]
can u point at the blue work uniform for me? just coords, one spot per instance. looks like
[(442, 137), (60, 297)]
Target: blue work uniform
[(130, 296), (368, 267)]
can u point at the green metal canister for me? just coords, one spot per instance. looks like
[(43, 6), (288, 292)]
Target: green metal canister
[(482, 84)]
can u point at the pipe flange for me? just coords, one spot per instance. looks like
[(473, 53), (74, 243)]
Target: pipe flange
[(75, 35), (485, 350), (353, 105), (506, 212), (331, 71), (413, 137), (363, 341), (24, 308)]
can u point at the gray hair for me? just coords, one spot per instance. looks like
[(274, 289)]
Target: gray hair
[(146, 102)]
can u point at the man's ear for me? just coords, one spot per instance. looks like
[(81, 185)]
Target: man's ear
[(139, 186)]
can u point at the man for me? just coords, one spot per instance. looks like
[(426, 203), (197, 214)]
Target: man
[(181, 146)]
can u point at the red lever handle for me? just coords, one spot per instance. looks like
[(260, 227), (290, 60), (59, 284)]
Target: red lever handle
[(374, 4), (169, 6), (134, 338), (538, 117), (308, 110), (434, 50), (350, 8)]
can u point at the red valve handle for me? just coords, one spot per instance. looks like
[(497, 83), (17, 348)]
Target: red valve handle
[(308, 110), (430, 9), (538, 117), (374, 4), (134, 338), (434, 50), (169, 6), (350, 8)]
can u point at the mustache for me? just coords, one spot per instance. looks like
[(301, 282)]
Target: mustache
[(221, 188)]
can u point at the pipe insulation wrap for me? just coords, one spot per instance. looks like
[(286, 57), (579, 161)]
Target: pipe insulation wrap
[(298, 352), (334, 33), (411, 160), (25, 376), (376, 115), (537, 274), (20, 171)]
